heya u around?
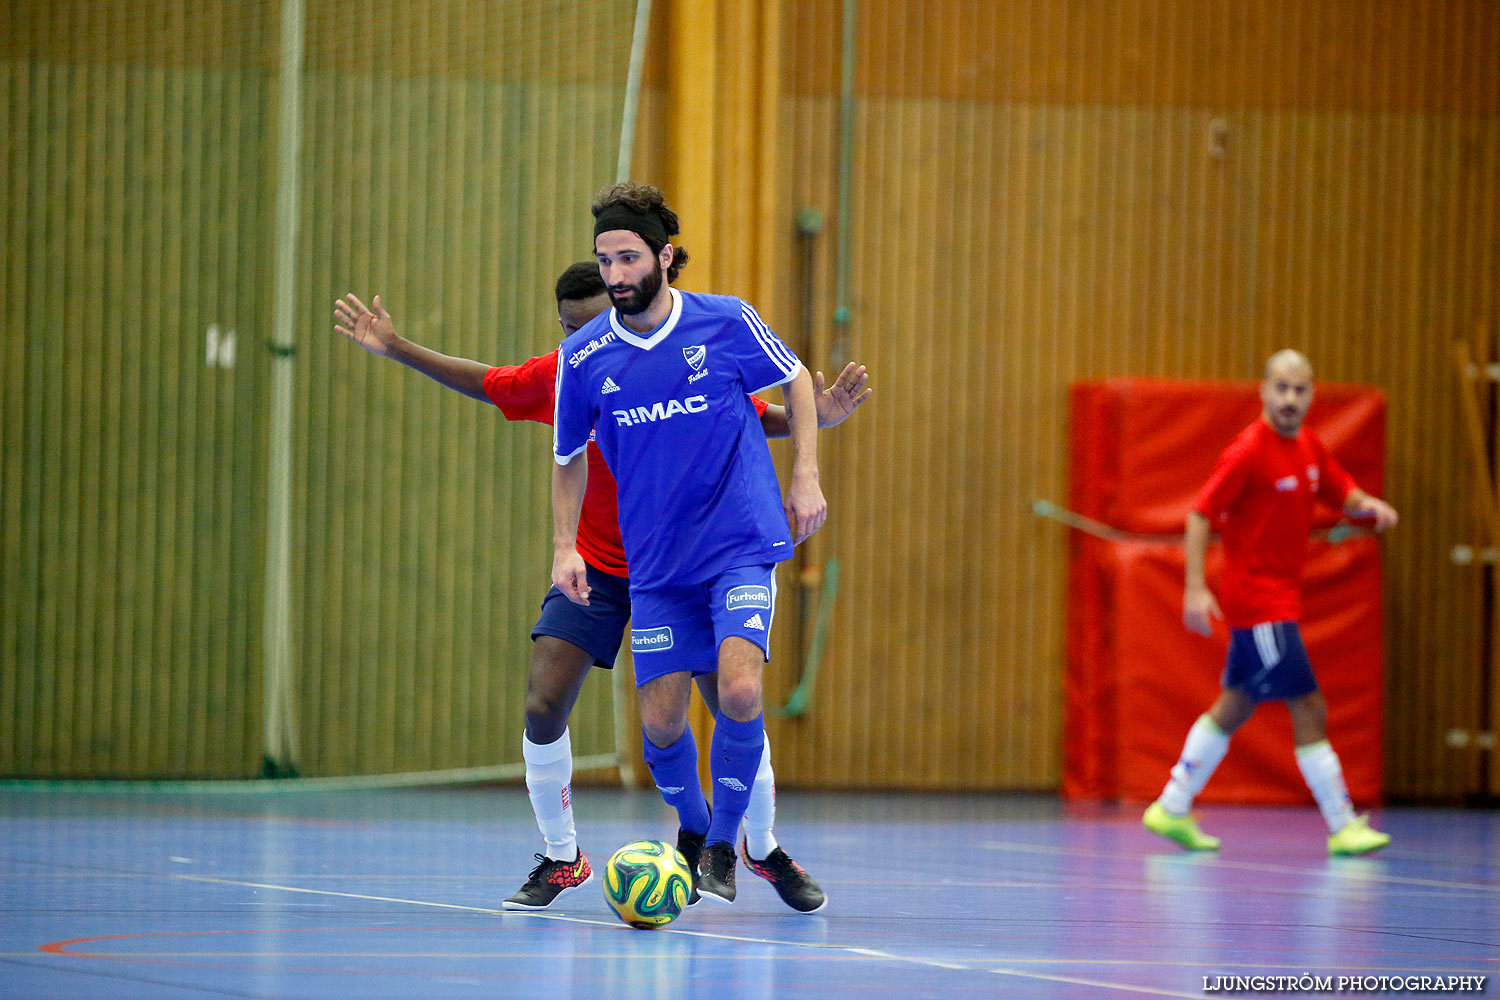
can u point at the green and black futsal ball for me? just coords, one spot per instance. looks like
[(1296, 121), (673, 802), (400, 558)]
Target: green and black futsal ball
[(647, 883)]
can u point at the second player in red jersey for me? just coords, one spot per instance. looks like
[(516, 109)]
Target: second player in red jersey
[(1261, 497)]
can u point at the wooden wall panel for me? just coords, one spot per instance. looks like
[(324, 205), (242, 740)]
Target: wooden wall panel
[(449, 160), (1043, 191), (1040, 198), (133, 228), (450, 151)]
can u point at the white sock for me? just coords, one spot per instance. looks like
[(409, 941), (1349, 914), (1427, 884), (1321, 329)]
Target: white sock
[(760, 814), (1325, 776), (1205, 746), (549, 777)]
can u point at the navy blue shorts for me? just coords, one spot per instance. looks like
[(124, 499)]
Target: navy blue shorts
[(597, 629), (1268, 662)]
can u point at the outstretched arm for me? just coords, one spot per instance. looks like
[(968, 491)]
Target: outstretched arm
[(568, 572), (806, 510), (1198, 603), (834, 405), (376, 332)]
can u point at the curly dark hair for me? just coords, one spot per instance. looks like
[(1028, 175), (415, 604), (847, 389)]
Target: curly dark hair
[(645, 198), (580, 281)]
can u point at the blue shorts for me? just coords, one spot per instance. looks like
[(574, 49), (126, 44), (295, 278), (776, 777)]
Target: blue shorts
[(1268, 662), (596, 629), (680, 629)]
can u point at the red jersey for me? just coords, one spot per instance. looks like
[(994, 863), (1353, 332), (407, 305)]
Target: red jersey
[(527, 392), (1260, 498)]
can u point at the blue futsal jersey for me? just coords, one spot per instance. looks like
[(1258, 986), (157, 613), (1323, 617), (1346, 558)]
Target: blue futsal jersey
[(698, 493)]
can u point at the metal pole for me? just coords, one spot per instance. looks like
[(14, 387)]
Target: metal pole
[(279, 695), (633, 89), (845, 238)]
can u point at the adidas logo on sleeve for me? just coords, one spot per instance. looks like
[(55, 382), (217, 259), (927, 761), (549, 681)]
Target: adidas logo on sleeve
[(755, 622)]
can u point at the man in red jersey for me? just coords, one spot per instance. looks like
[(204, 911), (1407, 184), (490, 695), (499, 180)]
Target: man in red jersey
[(568, 638), (1261, 496)]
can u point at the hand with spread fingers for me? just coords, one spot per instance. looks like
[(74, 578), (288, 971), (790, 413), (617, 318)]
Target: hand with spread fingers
[(374, 331), (847, 393)]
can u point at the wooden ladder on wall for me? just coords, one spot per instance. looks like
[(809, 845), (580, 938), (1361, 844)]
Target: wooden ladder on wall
[(1478, 369)]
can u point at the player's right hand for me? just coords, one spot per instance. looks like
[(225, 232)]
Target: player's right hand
[(571, 576), (1199, 608), (806, 509), (372, 330)]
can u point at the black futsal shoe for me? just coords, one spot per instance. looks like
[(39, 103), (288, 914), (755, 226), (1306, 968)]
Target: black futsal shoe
[(795, 887), (717, 878), (549, 879)]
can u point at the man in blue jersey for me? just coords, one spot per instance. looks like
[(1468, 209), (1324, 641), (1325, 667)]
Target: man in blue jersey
[(660, 381)]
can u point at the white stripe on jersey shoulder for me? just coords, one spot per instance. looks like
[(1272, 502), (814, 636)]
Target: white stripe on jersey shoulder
[(556, 397), (781, 381), (769, 342), (658, 335)]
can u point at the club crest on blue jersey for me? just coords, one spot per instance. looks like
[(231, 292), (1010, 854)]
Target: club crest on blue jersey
[(650, 640), (695, 356), (749, 595)]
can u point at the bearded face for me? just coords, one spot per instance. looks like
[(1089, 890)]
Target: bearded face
[(632, 299)]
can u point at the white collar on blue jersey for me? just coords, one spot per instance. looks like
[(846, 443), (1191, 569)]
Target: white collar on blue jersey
[(658, 335)]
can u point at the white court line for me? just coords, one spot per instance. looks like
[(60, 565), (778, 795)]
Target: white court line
[(331, 892), (875, 953)]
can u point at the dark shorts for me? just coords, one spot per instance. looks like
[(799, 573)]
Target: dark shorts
[(597, 629), (1268, 662)]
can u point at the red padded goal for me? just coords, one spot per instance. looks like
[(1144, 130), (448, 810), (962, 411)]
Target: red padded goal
[(1136, 679)]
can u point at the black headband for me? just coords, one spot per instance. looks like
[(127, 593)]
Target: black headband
[(644, 224)]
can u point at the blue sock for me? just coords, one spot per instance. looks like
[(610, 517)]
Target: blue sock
[(735, 757), (675, 771)]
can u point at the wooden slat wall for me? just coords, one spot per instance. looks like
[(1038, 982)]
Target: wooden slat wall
[(1487, 348), (132, 218), (449, 159), (450, 150), (1037, 200)]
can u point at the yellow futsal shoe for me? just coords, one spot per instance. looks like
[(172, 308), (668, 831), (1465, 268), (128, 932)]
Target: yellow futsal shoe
[(1181, 830), (1357, 838)]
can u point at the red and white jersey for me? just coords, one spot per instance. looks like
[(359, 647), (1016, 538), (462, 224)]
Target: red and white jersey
[(527, 392), (1260, 499)]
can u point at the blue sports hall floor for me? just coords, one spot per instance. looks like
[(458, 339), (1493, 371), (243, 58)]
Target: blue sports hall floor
[(158, 895)]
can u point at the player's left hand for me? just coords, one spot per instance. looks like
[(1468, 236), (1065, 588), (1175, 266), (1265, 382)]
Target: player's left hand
[(845, 396), (806, 510), (570, 576), (1383, 513)]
